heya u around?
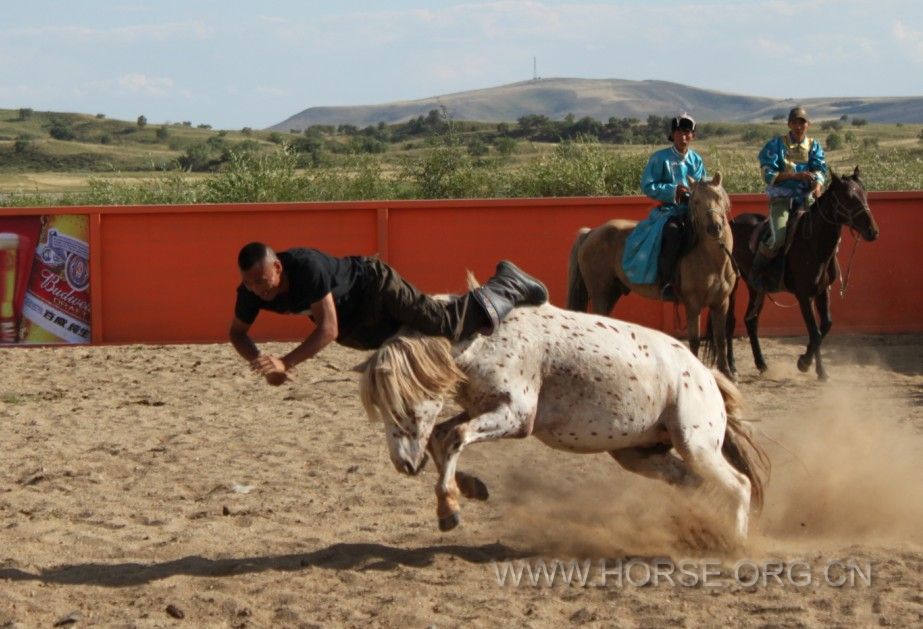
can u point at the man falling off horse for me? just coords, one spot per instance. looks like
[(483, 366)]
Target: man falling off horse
[(359, 302), (793, 167), (654, 246)]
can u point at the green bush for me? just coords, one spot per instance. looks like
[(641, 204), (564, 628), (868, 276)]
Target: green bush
[(22, 144), (250, 176), (61, 131), (756, 135), (834, 141), (580, 168), (446, 172)]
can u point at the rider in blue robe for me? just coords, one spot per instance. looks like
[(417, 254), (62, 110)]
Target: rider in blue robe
[(653, 247), (794, 168)]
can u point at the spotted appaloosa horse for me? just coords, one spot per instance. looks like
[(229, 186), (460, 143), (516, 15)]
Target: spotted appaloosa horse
[(578, 382)]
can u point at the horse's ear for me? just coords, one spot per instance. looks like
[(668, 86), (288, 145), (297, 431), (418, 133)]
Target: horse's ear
[(855, 173), (691, 181), (716, 180)]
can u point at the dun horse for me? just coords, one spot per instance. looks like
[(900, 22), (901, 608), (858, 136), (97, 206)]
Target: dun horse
[(706, 274), (810, 266), (579, 383)]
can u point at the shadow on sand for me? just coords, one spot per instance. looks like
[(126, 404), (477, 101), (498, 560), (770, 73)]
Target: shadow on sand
[(342, 556)]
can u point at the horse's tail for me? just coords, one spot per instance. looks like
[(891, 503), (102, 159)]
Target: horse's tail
[(406, 371), (740, 449), (577, 295)]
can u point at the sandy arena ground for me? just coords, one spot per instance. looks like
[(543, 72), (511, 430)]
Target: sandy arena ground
[(140, 484)]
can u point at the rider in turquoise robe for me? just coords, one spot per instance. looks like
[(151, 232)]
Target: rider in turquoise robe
[(793, 167), (652, 248)]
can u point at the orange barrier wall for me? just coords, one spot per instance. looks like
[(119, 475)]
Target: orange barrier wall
[(165, 274)]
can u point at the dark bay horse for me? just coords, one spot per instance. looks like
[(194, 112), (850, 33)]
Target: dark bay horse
[(810, 265), (706, 274)]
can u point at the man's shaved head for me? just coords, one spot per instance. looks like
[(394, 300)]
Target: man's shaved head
[(254, 252)]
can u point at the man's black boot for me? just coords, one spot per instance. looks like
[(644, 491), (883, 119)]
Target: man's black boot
[(508, 288)]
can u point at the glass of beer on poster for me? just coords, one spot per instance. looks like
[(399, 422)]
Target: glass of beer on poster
[(44, 279)]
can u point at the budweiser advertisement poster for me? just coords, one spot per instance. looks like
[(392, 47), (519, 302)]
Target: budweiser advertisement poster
[(44, 279)]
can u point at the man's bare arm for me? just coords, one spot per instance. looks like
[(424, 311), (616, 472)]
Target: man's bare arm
[(324, 314), (240, 339), (325, 318)]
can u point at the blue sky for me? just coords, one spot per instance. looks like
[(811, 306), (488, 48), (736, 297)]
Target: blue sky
[(232, 64)]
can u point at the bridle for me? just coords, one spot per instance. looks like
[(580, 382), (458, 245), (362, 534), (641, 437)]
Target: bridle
[(721, 217), (840, 214)]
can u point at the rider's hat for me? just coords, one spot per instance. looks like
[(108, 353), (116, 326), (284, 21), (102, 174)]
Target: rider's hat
[(683, 121), (798, 112)]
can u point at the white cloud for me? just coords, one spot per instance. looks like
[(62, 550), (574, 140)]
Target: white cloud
[(910, 40), (145, 85), (22, 93), (272, 92), (124, 34)]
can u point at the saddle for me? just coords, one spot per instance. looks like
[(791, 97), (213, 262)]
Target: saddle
[(762, 231), (774, 274)]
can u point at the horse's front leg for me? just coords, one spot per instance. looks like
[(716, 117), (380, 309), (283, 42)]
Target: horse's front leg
[(471, 486), (694, 325), (814, 337), (822, 304), (509, 419), (752, 321), (730, 323), (719, 330)]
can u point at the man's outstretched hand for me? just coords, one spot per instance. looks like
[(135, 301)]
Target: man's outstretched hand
[(270, 367)]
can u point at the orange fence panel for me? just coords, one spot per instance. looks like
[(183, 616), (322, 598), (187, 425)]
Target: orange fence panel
[(166, 274)]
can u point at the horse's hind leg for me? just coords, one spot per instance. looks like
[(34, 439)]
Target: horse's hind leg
[(655, 462), (724, 491), (604, 294)]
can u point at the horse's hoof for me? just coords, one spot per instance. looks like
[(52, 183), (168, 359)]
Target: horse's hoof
[(472, 488), (803, 364), (762, 367), (449, 522), (823, 377)]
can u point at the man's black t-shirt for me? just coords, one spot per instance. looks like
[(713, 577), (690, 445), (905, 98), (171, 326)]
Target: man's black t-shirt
[(311, 275)]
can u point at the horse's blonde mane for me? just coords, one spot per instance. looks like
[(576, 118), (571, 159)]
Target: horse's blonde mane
[(406, 371)]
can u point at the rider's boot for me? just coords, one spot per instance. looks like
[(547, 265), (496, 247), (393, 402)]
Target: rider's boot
[(508, 288)]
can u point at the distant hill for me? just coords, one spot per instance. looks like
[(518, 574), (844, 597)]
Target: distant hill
[(605, 98)]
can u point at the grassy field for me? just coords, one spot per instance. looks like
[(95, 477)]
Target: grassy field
[(49, 158)]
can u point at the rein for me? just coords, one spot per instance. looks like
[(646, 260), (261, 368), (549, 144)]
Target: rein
[(844, 281), (841, 211)]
